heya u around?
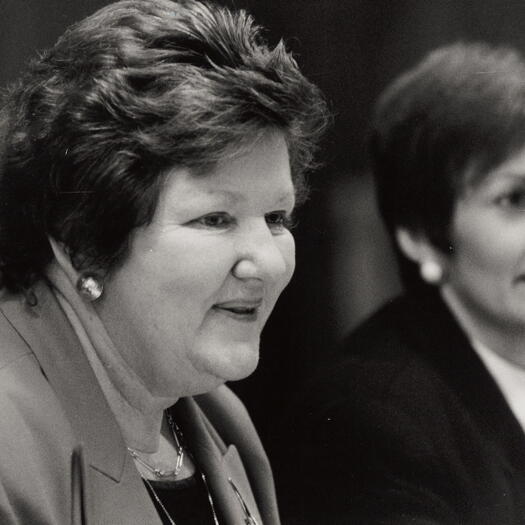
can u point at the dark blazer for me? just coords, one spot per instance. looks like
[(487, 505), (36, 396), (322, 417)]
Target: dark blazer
[(408, 427), (62, 457)]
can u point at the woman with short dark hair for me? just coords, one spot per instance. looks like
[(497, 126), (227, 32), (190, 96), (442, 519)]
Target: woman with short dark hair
[(151, 161), (422, 419), (440, 128)]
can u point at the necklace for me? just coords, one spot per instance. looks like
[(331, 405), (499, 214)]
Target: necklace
[(210, 499), (157, 499), (157, 472), (160, 474)]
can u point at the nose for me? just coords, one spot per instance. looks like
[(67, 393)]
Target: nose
[(260, 255)]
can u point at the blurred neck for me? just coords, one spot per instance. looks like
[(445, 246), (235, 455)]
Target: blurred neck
[(505, 338)]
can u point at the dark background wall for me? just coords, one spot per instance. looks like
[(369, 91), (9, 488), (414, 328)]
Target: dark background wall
[(351, 49)]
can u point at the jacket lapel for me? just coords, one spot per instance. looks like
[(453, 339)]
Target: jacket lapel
[(56, 347), (113, 489), (227, 416), (222, 466)]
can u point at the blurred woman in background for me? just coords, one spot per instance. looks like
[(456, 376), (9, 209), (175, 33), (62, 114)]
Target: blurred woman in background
[(422, 419), (151, 163)]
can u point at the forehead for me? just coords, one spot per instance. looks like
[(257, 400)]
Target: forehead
[(263, 169), (511, 169)]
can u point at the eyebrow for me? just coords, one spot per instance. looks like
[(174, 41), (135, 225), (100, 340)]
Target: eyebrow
[(505, 176), (514, 174), (284, 197), (499, 181)]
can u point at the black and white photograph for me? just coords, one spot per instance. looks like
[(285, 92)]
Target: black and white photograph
[(262, 262)]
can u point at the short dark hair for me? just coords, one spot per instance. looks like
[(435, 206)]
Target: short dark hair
[(440, 127), (137, 88)]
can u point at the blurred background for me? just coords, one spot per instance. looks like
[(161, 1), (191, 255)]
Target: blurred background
[(351, 49)]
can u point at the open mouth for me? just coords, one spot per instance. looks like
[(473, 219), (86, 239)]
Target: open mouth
[(239, 311)]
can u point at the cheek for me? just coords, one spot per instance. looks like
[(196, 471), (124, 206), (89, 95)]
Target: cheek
[(287, 248), (189, 262), (488, 252)]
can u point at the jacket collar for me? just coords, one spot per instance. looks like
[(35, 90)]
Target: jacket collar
[(221, 465), (47, 332)]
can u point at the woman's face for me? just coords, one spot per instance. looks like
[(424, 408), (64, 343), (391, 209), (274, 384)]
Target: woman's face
[(486, 273), (187, 307)]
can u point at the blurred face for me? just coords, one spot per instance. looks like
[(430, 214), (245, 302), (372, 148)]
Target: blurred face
[(187, 307), (486, 273)]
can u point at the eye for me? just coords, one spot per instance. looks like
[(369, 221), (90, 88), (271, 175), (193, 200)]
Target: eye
[(513, 199), (214, 220), (279, 220)]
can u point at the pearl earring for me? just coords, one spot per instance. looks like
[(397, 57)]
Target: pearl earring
[(431, 272), (90, 287)]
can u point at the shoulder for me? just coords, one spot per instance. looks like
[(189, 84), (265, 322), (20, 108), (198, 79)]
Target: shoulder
[(399, 416), (35, 439), (24, 386), (21, 377), (12, 345), (29, 408), (397, 368), (26, 398), (386, 334), (401, 351), (21, 323), (20, 374)]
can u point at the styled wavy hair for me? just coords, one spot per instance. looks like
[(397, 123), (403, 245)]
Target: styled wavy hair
[(139, 87), (438, 129)]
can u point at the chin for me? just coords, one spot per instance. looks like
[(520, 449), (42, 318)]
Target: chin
[(244, 371), (234, 363)]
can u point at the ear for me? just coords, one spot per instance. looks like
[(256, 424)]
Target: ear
[(63, 259), (413, 245), (420, 250)]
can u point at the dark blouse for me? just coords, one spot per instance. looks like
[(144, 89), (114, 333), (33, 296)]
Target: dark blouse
[(187, 501)]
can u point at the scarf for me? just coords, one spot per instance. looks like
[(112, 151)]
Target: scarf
[(138, 413)]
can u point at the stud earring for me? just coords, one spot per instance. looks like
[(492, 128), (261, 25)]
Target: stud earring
[(90, 287), (431, 272)]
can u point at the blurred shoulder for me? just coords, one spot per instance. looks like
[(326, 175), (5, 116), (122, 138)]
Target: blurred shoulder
[(383, 333), (394, 357), (376, 352)]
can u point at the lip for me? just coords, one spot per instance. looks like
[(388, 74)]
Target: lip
[(240, 309)]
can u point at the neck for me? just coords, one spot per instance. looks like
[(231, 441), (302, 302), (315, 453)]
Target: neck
[(503, 338), (138, 412)]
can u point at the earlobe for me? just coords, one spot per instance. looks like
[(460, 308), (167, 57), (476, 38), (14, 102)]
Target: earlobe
[(419, 250), (89, 285), (409, 243), (431, 271)]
